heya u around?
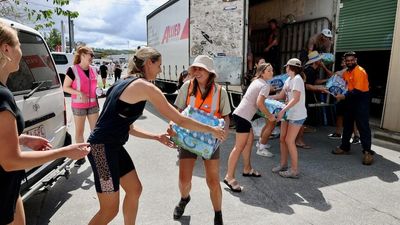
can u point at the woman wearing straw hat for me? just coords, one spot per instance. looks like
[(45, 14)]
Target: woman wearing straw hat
[(202, 93)]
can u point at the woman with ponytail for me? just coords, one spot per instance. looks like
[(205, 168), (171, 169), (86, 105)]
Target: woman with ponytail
[(125, 102)]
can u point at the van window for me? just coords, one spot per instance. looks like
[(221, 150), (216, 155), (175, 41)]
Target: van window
[(60, 59), (35, 67)]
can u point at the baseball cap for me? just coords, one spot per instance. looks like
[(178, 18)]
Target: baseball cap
[(293, 62), (327, 33)]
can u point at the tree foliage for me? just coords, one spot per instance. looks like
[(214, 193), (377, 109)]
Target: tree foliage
[(9, 8), (53, 39)]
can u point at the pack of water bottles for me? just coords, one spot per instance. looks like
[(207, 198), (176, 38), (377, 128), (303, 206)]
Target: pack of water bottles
[(336, 85), (278, 81), (199, 143), (274, 107), (328, 58)]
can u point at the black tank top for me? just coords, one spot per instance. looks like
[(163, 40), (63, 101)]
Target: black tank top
[(112, 127)]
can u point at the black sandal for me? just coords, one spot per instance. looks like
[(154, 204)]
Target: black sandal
[(233, 185)]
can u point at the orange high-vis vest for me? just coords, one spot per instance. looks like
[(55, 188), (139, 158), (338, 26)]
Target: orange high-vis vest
[(86, 85), (210, 104), (357, 79)]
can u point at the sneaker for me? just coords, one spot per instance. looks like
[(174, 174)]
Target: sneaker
[(355, 140), (258, 145), (279, 168), (264, 152), (180, 208), (368, 159), (289, 174), (335, 136), (79, 162)]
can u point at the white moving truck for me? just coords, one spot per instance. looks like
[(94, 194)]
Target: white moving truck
[(183, 29)]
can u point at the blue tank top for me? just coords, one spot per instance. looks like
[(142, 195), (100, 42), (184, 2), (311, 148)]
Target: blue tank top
[(114, 121)]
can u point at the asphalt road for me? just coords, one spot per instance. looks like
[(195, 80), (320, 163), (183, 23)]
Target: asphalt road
[(331, 189)]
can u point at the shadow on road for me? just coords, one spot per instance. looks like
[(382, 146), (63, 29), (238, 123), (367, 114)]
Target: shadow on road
[(318, 167), (55, 198)]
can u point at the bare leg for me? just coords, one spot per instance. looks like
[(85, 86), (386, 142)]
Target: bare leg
[(241, 140), (92, 120), (212, 178), (19, 216), (109, 204), (266, 133), (291, 133), (283, 146), (133, 188), (246, 153), (79, 128), (185, 176)]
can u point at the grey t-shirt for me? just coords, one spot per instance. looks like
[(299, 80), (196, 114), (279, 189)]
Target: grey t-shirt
[(180, 100), (248, 106)]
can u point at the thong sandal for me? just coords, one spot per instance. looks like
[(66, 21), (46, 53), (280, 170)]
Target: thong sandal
[(233, 185), (252, 173), (303, 146)]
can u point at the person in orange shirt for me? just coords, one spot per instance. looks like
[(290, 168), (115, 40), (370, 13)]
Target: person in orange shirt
[(357, 101)]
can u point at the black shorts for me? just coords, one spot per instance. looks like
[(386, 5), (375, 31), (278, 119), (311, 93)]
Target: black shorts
[(104, 76), (9, 193), (109, 163), (242, 125), (185, 154)]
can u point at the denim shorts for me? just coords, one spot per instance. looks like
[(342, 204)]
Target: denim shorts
[(297, 122), (85, 112)]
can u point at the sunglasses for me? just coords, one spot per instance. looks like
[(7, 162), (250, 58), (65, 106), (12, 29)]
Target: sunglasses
[(91, 54)]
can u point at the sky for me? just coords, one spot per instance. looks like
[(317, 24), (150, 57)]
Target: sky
[(111, 24)]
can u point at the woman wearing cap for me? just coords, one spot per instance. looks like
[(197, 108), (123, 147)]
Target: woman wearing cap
[(201, 92), (81, 83), (294, 93), (111, 163), (254, 98)]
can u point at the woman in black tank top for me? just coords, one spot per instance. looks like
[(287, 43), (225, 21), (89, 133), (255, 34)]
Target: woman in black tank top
[(125, 102)]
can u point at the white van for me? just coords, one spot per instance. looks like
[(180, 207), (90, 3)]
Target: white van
[(63, 61), (39, 95)]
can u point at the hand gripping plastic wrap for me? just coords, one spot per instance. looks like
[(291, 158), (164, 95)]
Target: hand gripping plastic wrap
[(202, 144), (328, 58), (274, 107), (336, 85), (278, 81)]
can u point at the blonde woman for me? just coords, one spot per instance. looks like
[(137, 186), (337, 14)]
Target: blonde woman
[(81, 83), (13, 161), (111, 163), (254, 98)]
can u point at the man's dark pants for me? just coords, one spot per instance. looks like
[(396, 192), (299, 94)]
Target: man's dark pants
[(357, 109)]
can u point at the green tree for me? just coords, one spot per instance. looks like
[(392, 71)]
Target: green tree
[(11, 9), (53, 39)]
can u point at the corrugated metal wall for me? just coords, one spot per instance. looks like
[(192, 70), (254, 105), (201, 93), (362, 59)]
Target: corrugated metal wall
[(366, 25)]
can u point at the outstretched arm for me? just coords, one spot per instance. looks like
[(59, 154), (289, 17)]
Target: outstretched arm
[(11, 156), (162, 138)]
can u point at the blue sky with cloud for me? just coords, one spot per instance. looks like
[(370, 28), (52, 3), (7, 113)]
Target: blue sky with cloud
[(108, 23)]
